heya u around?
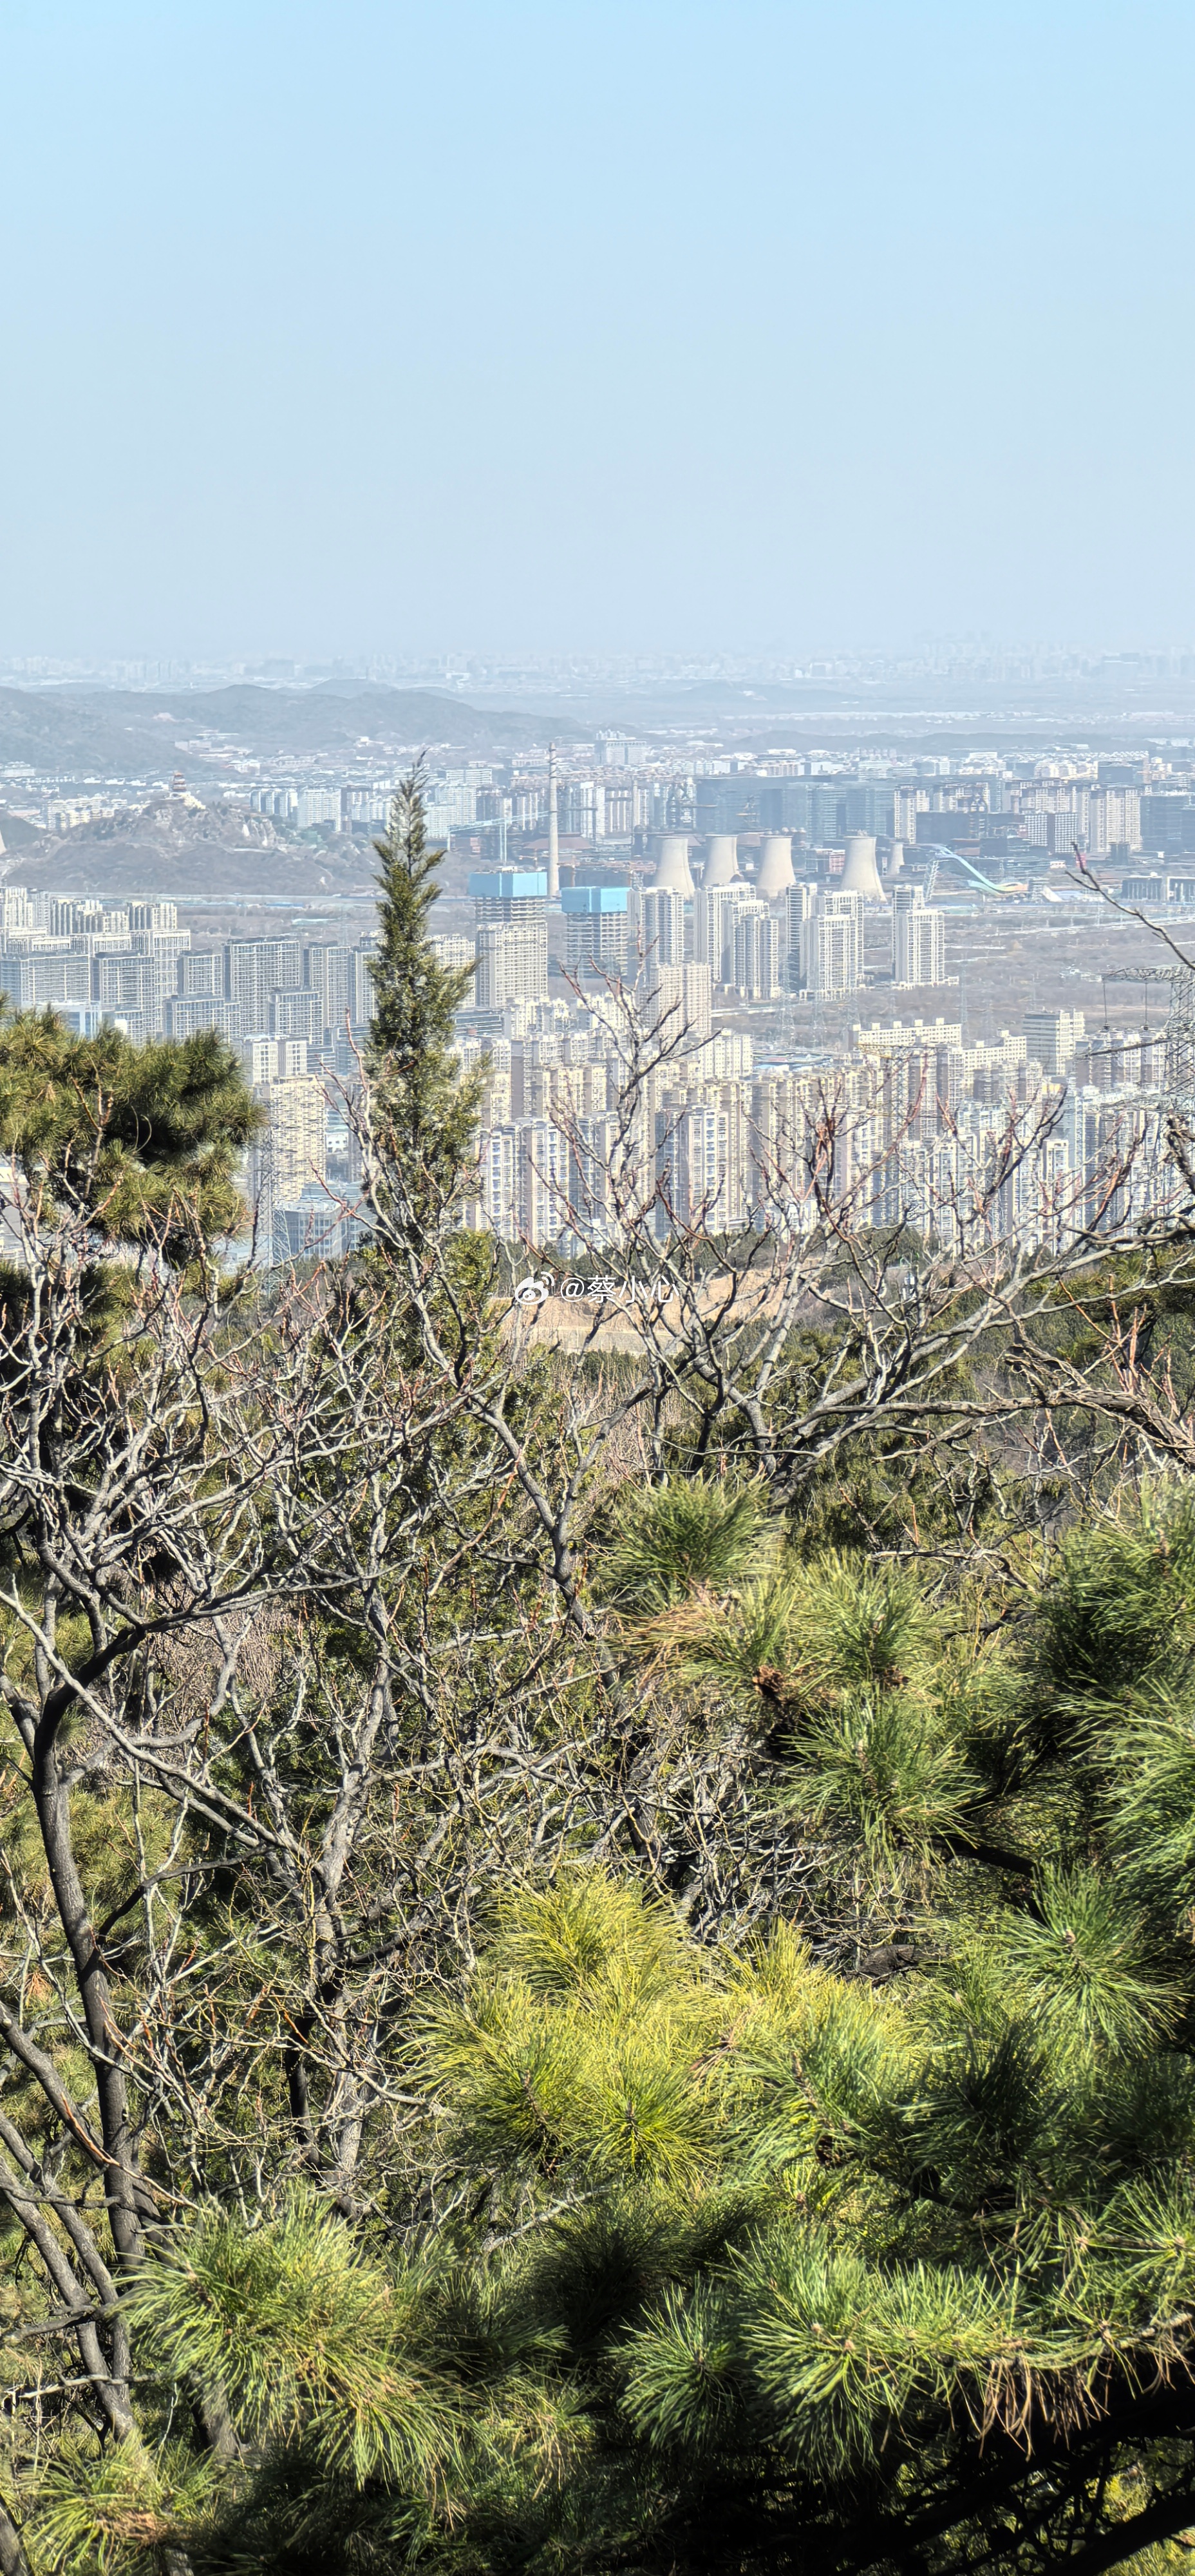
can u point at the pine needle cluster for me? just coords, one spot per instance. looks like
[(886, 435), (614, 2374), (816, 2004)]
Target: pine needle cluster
[(744, 2261)]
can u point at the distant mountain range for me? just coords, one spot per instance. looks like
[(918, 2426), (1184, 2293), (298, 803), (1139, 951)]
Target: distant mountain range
[(124, 733), (87, 733)]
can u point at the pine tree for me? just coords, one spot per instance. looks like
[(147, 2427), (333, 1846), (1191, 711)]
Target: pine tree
[(428, 1110), (862, 2244), (732, 2262), (140, 1143)]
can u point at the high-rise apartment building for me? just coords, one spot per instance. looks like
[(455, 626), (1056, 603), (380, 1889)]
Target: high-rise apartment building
[(754, 958), (297, 1132), (1113, 820), (156, 914), (596, 921), (512, 963), (291, 1157), (161, 950), (326, 973), (129, 986), (497, 1193), (452, 950), (511, 913), (256, 968), (541, 1177), (714, 914), (660, 926), (1052, 1038), (918, 939), (186, 1013), (317, 805), (693, 1165), (1167, 821), (828, 954), (676, 1000), (32, 982), (287, 1191), (512, 897), (361, 963), (800, 905), (582, 809), (297, 1012), (203, 971), (272, 1059), (600, 1153)]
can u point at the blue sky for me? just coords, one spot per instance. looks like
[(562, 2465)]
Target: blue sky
[(676, 326)]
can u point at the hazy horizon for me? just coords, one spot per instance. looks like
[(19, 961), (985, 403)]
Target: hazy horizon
[(754, 330)]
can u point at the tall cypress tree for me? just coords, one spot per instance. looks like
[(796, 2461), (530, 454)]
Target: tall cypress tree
[(429, 1108)]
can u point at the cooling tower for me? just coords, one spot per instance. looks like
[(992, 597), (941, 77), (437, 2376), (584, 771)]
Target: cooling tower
[(721, 860), (860, 874), (672, 874), (774, 874), (894, 863)]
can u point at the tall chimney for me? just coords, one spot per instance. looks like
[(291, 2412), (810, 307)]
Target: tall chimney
[(553, 830)]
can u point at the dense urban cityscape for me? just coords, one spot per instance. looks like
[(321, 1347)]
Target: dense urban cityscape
[(749, 947)]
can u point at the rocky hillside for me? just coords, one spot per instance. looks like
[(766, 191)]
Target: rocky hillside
[(197, 854)]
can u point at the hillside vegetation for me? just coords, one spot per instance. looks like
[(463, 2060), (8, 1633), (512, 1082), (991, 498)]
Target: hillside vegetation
[(596, 1950)]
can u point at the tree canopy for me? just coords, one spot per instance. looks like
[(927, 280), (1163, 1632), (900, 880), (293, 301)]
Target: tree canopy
[(144, 1140), (419, 1088), (596, 1967)]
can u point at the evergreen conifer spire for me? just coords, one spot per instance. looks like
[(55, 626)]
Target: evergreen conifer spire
[(430, 1110)]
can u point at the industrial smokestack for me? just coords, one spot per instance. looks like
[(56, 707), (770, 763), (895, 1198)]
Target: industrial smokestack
[(553, 829), (860, 874), (774, 874)]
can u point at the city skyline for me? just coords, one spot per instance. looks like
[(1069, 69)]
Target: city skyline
[(465, 665), (684, 977)]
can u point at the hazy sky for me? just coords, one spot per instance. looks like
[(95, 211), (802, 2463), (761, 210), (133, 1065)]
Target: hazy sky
[(653, 324)]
